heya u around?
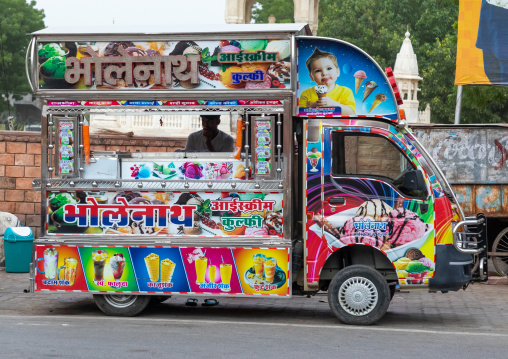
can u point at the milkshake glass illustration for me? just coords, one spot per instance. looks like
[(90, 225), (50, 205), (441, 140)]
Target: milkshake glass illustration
[(50, 263), (70, 268), (259, 261), (152, 266), (167, 270), (269, 269), (225, 274), (117, 263), (99, 260), (201, 264)]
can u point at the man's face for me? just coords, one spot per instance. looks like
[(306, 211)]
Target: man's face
[(209, 125), (324, 72)]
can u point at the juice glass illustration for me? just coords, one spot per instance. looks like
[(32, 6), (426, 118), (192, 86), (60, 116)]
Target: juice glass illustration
[(270, 269), (167, 269), (117, 263), (201, 264), (99, 260), (211, 272), (70, 268), (225, 273), (152, 266), (50, 263), (259, 261)]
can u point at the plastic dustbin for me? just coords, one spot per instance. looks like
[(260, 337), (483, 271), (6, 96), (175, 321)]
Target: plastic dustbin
[(18, 242)]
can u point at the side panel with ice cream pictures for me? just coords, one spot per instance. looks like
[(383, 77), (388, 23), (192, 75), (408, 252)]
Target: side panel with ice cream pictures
[(366, 186), (336, 78)]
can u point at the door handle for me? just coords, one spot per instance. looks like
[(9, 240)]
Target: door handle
[(337, 201)]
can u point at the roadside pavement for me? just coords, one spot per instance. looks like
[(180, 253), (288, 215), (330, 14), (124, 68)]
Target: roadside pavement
[(480, 308)]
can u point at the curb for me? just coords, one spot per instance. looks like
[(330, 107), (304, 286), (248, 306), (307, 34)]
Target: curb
[(497, 281)]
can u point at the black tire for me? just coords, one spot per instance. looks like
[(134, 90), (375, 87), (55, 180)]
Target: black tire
[(156, 299), (501, 246), (359, 295), (121, 305)]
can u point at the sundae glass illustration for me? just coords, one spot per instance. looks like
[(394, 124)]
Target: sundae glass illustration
[(314, 156)]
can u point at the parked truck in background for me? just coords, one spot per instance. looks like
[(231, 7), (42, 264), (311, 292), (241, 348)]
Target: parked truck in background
[(474, 161)]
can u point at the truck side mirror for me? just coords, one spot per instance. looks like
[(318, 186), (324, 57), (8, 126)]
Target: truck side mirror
[(412, 183)]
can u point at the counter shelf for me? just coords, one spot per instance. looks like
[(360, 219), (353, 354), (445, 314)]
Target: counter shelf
[(160, 185)]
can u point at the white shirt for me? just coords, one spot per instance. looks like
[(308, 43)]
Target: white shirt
[(221, 143)]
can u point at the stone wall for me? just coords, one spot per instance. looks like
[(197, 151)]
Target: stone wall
[(20, 161)]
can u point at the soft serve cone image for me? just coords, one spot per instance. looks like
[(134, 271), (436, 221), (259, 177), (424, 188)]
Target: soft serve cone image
[(167, 269), (152, 266), (374, 208), (369, 87), (359, 77), (377, 100), (321, 90)]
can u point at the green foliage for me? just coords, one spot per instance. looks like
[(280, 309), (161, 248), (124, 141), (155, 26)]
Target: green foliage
[(17, 19), (283, 10), (378, 27)]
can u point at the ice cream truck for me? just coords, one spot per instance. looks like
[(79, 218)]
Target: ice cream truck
[(291, 170)]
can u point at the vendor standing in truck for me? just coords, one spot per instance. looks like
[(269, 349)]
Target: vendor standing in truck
[(210, 138)]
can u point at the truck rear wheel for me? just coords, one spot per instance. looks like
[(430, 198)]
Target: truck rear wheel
[(121, 305), (359, 295)]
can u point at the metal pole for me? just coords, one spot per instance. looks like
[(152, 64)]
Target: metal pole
[(458, 105)]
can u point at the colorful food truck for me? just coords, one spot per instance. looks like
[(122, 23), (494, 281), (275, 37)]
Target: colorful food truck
[(301, 175)]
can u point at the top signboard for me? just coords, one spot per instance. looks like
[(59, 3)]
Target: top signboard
[(337, 79), (168, 65)]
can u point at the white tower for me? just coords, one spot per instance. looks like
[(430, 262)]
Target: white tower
[(406, 75)]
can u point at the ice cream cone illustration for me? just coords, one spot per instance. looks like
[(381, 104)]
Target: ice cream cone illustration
[(369, 87), (167, 269), (152, 266), (359, 77), (321, 90), (377, 100)]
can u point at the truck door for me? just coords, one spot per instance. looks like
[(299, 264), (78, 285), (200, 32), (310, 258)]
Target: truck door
[(375, 193)]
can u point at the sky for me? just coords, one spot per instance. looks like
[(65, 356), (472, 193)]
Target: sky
[(131, 12)]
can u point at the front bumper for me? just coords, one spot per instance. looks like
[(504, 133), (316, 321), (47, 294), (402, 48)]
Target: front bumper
[(470, 237), (454, 263), (453, 269)]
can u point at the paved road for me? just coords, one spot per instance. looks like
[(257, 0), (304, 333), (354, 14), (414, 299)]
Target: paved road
[(466, 324)]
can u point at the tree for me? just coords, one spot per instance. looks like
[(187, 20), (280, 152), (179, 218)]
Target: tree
[(283, 10), (378, 27), (17, 19)]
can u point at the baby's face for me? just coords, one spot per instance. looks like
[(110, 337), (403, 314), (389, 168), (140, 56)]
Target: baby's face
[(324, 72)]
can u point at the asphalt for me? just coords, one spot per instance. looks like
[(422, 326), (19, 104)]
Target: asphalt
[(480, 308)]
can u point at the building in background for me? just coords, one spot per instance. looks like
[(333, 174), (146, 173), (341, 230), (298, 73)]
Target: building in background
[(240, 12), (406, 75)]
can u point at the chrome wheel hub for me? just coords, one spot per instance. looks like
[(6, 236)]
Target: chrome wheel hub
[(358, 296)]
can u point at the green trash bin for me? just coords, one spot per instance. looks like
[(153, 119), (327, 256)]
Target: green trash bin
[(18, 242)]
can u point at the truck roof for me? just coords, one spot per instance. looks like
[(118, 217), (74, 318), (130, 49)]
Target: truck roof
[(176, 29)]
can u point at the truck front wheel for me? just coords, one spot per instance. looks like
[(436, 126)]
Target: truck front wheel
[(121, 305), (359, 295)]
